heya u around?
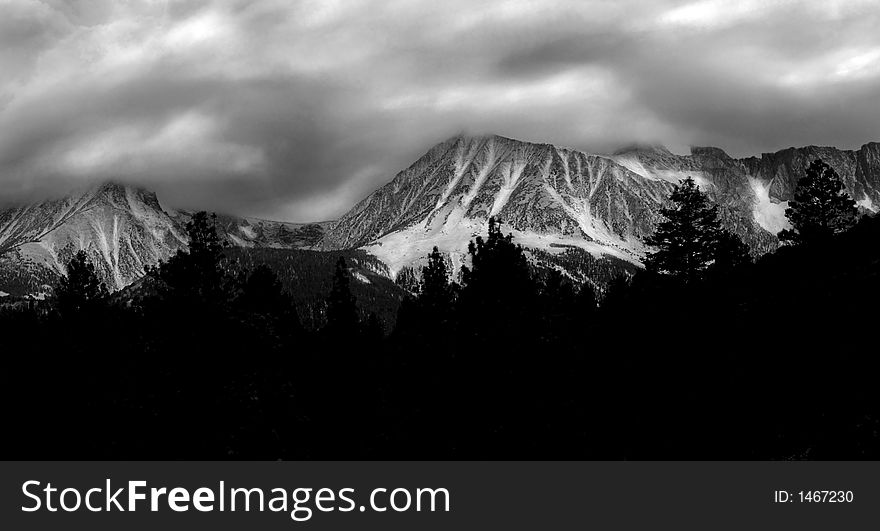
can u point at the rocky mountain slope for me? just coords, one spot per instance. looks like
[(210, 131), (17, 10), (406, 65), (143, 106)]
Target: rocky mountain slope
[(123, 229), (554, 198), (565, 206)]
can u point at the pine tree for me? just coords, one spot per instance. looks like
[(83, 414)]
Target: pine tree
[(558, 304), (406, 279), (616, 294), (204, 244), (342, 315), (262, 293), (731, 252), (80, 289), (373, 330), (586, 301), (196, 273), (498, 289), (435, 291), (821, 208), (687, 238), (496, 262)]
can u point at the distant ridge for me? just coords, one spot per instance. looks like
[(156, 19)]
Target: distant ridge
[(124, 229)]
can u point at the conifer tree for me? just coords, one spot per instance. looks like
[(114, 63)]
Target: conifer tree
[(406, 279), (556, 287), (686, 240), (821, 208), (80, 289), (203, 239), (496, 262), (195, 273), (586, 301), (435, 292), (264, 304), (262, 293), (558, 303), (616, 294), (342, 316), (498, 288), (373, 330), (731, 252)]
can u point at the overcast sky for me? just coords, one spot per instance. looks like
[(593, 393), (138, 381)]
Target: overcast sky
[(296, 110)]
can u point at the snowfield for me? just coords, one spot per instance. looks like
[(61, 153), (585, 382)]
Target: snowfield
[(770, 215)]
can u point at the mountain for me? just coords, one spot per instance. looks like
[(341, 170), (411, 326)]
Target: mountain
[(587, 214), (556, 199), (123, 228)]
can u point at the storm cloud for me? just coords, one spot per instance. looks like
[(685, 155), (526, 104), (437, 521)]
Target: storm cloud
[(296, 110)]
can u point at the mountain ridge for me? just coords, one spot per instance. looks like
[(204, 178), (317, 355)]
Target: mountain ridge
[(552, 199), (123, 228)]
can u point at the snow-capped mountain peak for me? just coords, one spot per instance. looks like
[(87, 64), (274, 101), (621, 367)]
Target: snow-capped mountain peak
[(553, 198)]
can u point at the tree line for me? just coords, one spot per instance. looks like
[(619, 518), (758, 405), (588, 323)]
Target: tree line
[(706, 353)]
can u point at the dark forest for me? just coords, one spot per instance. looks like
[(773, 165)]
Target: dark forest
[(708, 353)]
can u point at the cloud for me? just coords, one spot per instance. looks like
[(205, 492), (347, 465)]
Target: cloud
[(296, 110)]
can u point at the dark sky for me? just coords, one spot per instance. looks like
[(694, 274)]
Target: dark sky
[(296, 110)]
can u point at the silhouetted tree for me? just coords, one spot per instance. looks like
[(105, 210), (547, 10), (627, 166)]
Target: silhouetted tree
[(265, 303), (731, 252), (195, 274), (372, 329), (406, 279), (261, 293), (495, 261), (557, 287), (558, 308), (342, 314), (687, 239), (80, 289), (436, 293), (498, 319), (203, 239), (821, 208), (616, 293), (586, 302), (498, 288)]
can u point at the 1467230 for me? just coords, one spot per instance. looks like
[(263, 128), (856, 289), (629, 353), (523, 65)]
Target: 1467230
[(813, 496)]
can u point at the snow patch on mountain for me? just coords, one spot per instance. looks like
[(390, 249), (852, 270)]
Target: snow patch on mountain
[(631, 162), (514, 171), (867, 203), (768, 214), (247, 231), (408, 246), (401, 248)]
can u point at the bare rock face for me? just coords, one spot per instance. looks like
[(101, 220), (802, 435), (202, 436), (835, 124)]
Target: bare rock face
[(554, 198)]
